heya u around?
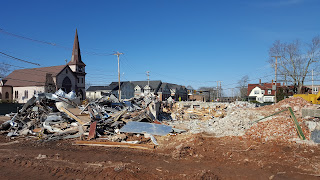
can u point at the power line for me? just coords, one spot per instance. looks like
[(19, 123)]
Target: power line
[(50, 43), (19, 59)]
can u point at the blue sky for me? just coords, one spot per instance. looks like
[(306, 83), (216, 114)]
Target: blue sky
[(188, 42)]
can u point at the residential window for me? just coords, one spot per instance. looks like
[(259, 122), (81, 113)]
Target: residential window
[(26, 93), (16, 94), (269, 91), (256, 92), (262, 92)]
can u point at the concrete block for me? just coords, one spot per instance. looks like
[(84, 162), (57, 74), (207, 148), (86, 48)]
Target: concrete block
[(311, 112)]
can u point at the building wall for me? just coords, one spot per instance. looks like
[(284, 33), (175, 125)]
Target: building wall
[(91, 95), (6, 90), (127, 91), (66, 73), (260, 95), (23, 94)]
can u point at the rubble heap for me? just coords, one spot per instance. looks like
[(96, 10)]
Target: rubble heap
[(227, 119), (281, 126), (60, 116)]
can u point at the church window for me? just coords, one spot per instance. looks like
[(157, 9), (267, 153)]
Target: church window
[(26, 93), (82, 80), (16, 94), (66, 71), (78, 80), (7, 95)]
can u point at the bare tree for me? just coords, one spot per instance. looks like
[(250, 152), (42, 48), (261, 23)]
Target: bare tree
[(243, 86), (296, 60), (4, 69)]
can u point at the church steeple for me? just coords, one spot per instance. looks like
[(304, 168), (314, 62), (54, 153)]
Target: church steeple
[(76, 55)]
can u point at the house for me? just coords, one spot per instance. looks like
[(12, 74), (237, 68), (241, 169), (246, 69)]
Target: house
[(22, 84), (314, 89), (146, 87), (131, 89), (164, 92), (96, 92), (178, 92), (262, 92), (126, 87)]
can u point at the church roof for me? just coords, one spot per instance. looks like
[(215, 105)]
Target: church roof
[(76, 55), (31, 77)]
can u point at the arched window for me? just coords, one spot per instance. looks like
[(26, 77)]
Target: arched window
[(7, 95), (66, 84)]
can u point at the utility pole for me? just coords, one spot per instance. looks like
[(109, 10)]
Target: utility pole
[(312, 81), (232, 93), (218, 90), (148, 81), (275, 72), (118, 54)]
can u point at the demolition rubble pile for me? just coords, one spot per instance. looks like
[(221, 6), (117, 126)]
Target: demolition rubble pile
[(225, 119), (281, 127), (133, 123), (244, 119), (58, 116)]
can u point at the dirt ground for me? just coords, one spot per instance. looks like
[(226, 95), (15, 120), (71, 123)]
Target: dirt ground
[(184, 156)]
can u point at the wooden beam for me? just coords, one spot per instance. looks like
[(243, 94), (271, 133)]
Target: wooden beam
[(114, 144)]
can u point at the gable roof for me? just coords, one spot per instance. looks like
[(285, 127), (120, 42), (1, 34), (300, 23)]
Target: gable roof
[(98, 88), (31, 77), (153, 84), (76, 55), (263, 86), (175, 86), (115, 85)]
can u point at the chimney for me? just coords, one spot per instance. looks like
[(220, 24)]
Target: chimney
[(260, 81)]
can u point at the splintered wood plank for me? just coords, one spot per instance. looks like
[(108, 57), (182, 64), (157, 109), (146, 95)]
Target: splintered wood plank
[(82, 119), (114, 144), (92, 132)]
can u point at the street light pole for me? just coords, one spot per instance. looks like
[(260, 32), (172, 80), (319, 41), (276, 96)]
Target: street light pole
[(275, 72), (118, 54)]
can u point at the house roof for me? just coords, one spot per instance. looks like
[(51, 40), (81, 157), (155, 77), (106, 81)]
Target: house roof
[(175, 86), (263, 86), (31, 77), (98, 88), (76, 55), (153, 84)]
